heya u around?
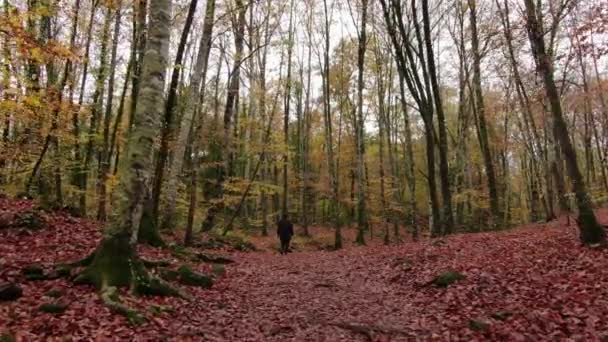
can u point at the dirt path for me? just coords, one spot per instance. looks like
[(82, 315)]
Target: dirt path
[(317, 296)]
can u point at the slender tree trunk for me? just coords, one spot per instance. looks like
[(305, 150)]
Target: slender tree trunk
[(362, 221), (232, 92), (196, 92), (96, 110), (327, 119), (104, 160), (306, 135), (78, 178), (290, 44), (481, 116), (149, 231), (446, 194)]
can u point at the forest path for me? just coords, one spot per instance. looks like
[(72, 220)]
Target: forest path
[(319, 296)]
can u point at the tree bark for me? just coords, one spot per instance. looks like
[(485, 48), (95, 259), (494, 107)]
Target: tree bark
[(482, 126), (168, 129), (104, 157), (115, 262), (362, 221)]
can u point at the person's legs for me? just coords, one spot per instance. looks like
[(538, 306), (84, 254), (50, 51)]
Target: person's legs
[(287, 241), (283, 246)]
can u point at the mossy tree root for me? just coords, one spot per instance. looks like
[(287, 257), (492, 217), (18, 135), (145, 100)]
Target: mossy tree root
[(115, 264), (109, 296)]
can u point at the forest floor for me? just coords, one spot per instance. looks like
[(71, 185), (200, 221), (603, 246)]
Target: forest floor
[(534, 282)]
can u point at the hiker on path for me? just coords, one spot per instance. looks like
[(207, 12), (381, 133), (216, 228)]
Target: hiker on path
[(284, 232)]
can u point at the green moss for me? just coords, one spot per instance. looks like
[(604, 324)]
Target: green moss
[(7, 337), (53, 308), (158, 309), (114, 263), (214, 259), (191, 278), (54, 293), (501, 315), (180, 252), (148, 229), (218, 269), (234, 240), (168, 274), (154, 287), (478, 325), (447, 278), (135, 318), (33, 272), (63, 271)]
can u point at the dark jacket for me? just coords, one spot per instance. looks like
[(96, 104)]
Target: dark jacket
[(284, 229)]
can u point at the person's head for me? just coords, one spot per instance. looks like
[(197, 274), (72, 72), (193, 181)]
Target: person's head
[(284, 217)]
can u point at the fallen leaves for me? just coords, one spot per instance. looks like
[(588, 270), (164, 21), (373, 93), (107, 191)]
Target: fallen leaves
[(532, 283)]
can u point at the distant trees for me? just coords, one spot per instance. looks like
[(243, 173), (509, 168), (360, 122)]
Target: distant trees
[(335, 111)]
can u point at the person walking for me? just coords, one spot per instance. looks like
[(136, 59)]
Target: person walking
[(284, 232)]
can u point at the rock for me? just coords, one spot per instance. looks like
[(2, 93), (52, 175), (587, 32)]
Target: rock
[(33, 272), (10, 292), (501, 315), (54, 293), (31, 220), (478, 325), (53, 308), (218, 269), (447, 278)]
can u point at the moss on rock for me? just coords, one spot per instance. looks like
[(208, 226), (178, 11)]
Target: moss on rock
[(53, 308), (478, 325), (447, 278), (33, 272), (218, 269), (54, 293), (10, 292)]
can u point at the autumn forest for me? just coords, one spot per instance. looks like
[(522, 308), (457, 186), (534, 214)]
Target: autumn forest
[(429, 153)]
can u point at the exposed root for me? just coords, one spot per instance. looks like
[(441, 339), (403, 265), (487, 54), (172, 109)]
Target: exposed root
[(155, 263), (154, 286), (86, 261), (109, 296)]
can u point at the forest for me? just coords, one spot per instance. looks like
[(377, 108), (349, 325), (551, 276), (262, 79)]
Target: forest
[(444, 163)]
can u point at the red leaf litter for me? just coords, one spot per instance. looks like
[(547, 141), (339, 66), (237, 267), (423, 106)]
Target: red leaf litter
[(533, 283)]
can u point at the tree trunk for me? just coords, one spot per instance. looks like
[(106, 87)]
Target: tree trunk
[(327, 120), (591, 231), (232, 93), (482, 129), (362, 221), (96, 110), (115, 262), (192, 118), (168, 129), (104, 160), (284, 209)]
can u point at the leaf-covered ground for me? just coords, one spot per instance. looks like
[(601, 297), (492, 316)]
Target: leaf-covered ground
[(531, 283)]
